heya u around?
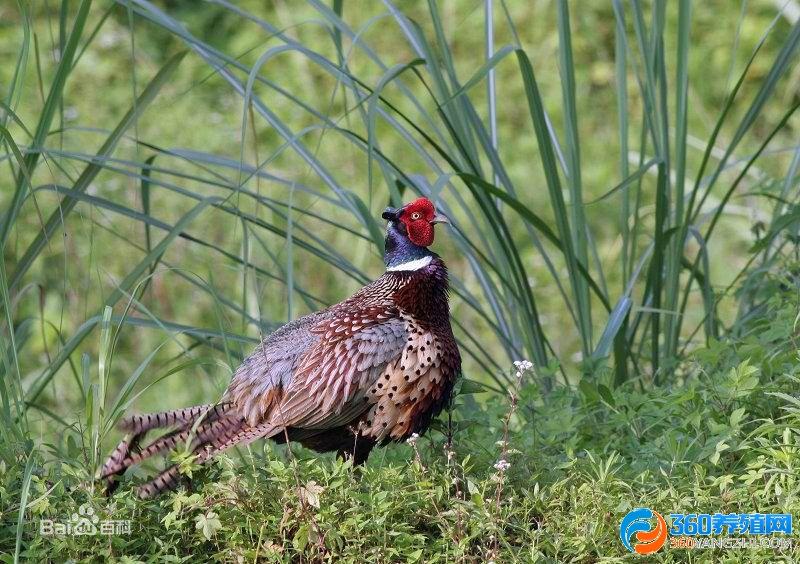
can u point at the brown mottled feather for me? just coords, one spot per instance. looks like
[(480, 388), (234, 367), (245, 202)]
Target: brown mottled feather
[(374, 368)]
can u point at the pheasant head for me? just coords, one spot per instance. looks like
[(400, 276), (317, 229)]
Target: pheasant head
[(410, 233)]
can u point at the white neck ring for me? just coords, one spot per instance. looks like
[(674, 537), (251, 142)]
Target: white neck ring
[(411, 265)]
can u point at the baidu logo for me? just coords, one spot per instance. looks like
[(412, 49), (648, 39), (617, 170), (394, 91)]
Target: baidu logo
[(84, 522)]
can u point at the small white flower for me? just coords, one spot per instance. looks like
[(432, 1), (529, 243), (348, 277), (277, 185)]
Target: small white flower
[(502, 465), (412, 440), (523, 365)]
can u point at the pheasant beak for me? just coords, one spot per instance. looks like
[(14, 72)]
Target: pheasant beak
[(440, 218)]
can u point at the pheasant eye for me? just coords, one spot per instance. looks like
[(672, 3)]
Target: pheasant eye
[(415, 216)]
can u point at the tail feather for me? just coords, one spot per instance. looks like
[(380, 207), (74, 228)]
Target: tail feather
[(123, 458), (137, 427), (166, 480), (243, 436), (205, 451), (211, 429), (119, 454), (147, 421), (113, 466), (202, 434)]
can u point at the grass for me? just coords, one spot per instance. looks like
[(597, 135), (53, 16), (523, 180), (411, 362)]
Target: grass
[(723, 437), (596, 168)]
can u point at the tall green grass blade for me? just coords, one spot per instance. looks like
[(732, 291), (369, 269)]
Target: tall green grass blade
[(709, 303), (484, 72), (578, 225), (621, 351), (616, 320), (119, 292), (623, 186), (778, 68), (11, 375), (15, 88), (720, 208), (145, 187), (672, 282), (23, 187), (91, 170), (491, 86), (536, 110), (27, 475), (54, 97), (541, 226)]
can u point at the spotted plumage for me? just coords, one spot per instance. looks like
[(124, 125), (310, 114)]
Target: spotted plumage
[(372, 369)]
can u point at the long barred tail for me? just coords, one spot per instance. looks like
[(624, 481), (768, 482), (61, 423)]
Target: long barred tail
[(210, 428), (138, 425), (142, 423), (205, 451)]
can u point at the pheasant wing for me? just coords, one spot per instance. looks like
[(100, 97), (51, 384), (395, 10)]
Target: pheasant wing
[(259, 383), (329, 386)]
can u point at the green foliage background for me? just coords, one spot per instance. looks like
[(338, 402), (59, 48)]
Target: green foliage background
[(185, 219)]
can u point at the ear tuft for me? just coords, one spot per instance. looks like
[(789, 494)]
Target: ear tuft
[(390, 214)]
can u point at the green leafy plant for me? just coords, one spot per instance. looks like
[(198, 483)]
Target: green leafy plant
[(593, 165)]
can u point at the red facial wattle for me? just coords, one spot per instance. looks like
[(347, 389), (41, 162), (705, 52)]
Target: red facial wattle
[(420, 232), (418, 217)]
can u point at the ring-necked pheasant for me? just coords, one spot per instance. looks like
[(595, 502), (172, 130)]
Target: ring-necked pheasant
[(372, 369)]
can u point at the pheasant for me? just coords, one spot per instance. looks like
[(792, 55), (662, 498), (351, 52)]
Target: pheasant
[(370, 370)]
